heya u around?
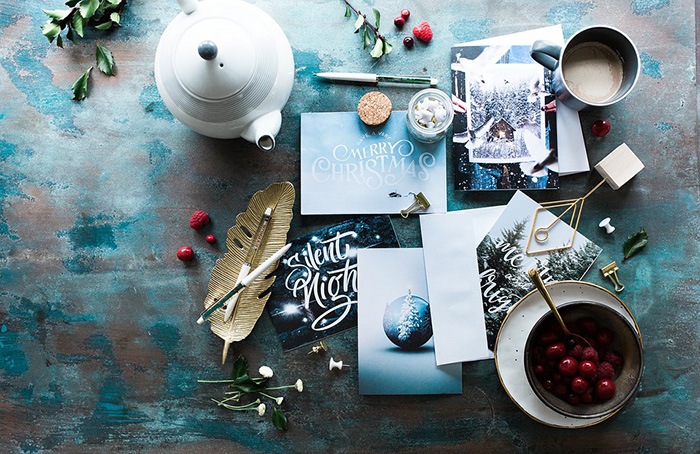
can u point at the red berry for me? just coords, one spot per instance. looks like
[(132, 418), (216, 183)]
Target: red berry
[(399, 21), (568, 366), (606, 370), (577, 351), (588, 370), (423, 32), (560, 389), (405, 13), (555, 351), (605, 389), (547, 337), (185, 253), (408, 42), (579, 385), (590, 353), (548, 384), (199, 219), (601, 128), (211, 239), (588, 325), (540, 370), (573, 399), (613, 358), (587, 397), (604, 337)]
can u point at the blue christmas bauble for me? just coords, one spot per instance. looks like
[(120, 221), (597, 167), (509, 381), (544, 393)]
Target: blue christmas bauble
[(407, 322)]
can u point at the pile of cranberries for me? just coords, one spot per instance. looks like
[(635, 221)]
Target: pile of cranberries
[(573, 371)]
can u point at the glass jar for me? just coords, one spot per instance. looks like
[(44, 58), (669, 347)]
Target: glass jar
[(429, 115)]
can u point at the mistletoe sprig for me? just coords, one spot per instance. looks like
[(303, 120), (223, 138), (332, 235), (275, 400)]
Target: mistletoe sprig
[(100, 14), (245, 387), (370, 33)]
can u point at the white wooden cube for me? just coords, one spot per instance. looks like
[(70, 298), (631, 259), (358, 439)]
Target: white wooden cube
[(619, 166)]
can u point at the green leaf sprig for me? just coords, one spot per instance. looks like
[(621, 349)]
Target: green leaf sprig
[(369, 32), (100, 14), (105, 63), (244, 386), (635, 243)]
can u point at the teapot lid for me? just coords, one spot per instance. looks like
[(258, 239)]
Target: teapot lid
[(206, 62)]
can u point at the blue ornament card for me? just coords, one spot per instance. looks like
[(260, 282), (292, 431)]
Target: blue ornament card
[(348, 167), (395, 346), (315, 290)]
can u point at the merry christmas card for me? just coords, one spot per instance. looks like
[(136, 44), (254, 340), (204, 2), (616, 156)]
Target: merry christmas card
[(503, 259), (348, 167), (396, 352), (315, 291)]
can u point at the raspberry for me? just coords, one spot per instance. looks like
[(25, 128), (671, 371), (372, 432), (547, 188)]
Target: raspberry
[(185, 253), (604, 337), (405, 13), (606, 370), (399, 21), (579, 385), (423, 32), (199, 219), (588, 370), (605, 389), (577, 351), (211, 239), (613, 358), (591, 354)]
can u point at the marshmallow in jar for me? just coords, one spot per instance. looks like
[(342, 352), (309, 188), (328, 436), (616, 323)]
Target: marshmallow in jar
[(429, 115)]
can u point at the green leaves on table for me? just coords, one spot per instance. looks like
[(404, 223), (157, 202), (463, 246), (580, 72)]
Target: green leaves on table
[(245, 387), (99, 14), (369, 33), (105, 63), (635, 243)]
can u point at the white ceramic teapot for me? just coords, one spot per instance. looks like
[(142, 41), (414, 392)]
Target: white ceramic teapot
[(225, 69)]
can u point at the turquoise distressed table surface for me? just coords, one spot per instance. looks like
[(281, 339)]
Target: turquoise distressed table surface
[(98, 343)]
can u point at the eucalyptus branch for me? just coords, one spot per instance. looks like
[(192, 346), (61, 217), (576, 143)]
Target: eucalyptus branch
[(364, 27)]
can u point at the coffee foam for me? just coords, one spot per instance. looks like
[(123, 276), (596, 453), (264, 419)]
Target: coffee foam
[(592, 71)]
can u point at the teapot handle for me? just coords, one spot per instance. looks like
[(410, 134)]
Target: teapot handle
[(188, 6)]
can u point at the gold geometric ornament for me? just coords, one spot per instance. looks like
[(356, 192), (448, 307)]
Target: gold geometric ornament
[(280, 198)]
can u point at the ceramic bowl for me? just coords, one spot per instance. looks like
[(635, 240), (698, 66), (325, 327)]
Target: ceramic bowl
[(626, 341)]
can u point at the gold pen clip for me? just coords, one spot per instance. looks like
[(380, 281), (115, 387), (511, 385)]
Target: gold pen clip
[(420, 202), (610, 271)]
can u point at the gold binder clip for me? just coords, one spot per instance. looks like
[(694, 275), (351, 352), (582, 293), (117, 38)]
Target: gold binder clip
[(610, 271), (420, 202)]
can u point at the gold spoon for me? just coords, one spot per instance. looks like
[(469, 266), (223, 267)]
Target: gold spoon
[(539, 284)]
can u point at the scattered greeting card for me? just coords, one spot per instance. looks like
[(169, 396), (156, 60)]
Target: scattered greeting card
[(449, 248), (315, 291), (503, 261), (394, 332), (348, 167)]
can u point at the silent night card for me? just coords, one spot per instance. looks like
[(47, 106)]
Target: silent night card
[(503, 261), (396, 352), (504, 129), (315, 291), (348, 167)]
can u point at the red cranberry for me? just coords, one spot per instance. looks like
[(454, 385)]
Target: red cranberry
[(408, 42), (405, 13), (588, 369), (601, 128), (547, 337), (548, 384), (540, 370), (555, 351), (579, 385), (588, 325), (211, 239), (560, 389), (587, 397), (604, 337), (573, 399), (605, 389), (568, 366), (399, 21), (185, 253)]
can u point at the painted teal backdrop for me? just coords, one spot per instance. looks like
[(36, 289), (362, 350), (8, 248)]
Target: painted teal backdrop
[(98, 343)]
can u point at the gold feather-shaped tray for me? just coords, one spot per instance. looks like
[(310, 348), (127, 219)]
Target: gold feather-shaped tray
[(280, 198)]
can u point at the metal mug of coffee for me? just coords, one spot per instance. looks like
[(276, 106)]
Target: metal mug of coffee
[(598, 66)]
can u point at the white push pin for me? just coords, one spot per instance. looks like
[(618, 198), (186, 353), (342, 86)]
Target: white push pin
[(333, 364), (605, 223)]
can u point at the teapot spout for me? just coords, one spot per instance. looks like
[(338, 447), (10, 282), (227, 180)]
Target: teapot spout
[(188, 6), (263, 130)]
